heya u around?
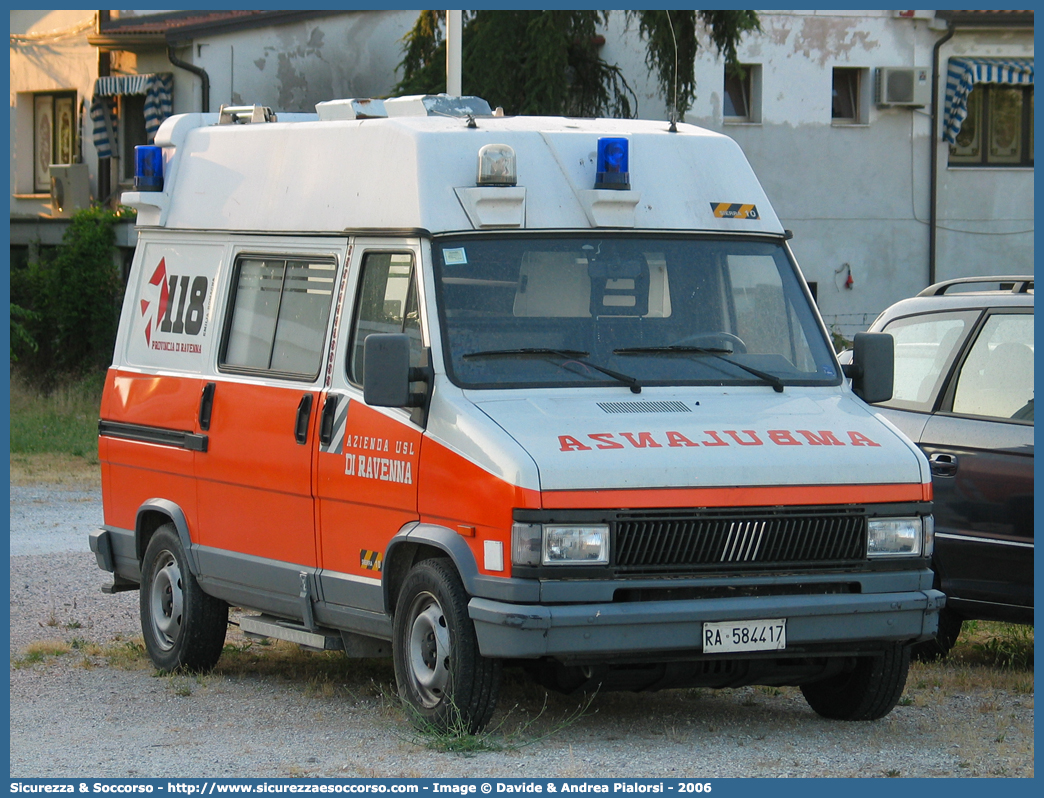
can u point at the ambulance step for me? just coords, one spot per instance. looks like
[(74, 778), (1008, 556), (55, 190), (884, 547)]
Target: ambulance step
[(268, 626), (119, 585)]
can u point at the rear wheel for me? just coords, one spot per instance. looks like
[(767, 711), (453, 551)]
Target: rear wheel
[(183, 627), (440, 673), (868, 691)]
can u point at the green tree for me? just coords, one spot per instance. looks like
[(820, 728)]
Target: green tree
[(68, 305), (548, 62), (672, 43), (21, 337)]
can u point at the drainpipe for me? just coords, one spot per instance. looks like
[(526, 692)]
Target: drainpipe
[(203, 76), (933, 200)]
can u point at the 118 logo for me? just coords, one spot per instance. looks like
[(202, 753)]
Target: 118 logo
[(182, 303)]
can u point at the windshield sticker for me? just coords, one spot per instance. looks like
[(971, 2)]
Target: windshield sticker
[(732, 210), (454, 257)]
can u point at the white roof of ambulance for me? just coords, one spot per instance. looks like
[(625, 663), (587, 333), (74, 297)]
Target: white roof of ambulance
[(400, 173)]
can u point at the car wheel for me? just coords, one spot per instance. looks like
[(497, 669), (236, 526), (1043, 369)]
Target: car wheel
[(184, 628), (441, 676), (866, 692), (949, 630)]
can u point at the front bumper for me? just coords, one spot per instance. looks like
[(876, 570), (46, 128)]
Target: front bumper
[(816, 625)]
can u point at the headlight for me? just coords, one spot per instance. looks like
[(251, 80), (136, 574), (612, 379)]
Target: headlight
[(560, 544), (576, 545), (894, 537)]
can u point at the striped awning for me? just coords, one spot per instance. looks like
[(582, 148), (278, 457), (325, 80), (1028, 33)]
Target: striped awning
[(961, 77), (158, 89)]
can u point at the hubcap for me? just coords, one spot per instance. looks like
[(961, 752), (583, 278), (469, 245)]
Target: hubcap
[(166, 601), (429, 649)]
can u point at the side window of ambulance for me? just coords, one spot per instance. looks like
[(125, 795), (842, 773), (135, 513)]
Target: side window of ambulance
[(279, 313), (387, 303)]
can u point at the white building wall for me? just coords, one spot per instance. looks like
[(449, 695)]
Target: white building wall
[(290, 68), (857, 196)]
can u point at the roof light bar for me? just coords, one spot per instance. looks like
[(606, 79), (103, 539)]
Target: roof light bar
[(612, 164)]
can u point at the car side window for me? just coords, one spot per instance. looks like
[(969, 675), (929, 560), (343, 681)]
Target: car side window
[(280, 310), (925, 348), (387, 303), (996, 379)]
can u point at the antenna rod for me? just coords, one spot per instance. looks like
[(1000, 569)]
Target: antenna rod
[(674, 102)]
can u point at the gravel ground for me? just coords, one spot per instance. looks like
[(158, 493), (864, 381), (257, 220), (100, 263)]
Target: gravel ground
[(80, 715)]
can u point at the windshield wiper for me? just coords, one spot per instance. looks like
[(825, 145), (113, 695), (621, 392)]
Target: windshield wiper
[(771, 379), (565, 354)]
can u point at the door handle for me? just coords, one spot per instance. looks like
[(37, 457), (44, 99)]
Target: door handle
[(206, 405), (326, 423), (304, 415), (943, 465)]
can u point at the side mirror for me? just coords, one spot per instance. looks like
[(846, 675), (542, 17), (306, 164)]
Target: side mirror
[(387, 373), (873, 367)]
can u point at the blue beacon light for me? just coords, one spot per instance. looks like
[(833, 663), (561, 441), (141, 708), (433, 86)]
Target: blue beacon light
[(612, 164), (148, 168)]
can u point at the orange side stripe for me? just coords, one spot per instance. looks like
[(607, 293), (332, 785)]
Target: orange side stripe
[(753, 496)]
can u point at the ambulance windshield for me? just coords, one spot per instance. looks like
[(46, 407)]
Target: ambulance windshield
[(638, 310)]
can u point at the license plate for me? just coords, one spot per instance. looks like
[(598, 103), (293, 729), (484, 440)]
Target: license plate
[(768, 635)]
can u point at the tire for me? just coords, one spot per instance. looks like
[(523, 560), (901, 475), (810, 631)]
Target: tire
[(868, 691), (949, 630), (184, 628), (446, 684)]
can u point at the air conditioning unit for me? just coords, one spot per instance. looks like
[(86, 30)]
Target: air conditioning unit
[(70, 189), (910, 86)]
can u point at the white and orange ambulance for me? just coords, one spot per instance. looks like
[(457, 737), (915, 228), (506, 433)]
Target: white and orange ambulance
[(414, 378)]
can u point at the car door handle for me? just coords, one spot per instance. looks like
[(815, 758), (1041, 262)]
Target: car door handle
[(206, 405), (326, 423), (943, 465), (304, 415)]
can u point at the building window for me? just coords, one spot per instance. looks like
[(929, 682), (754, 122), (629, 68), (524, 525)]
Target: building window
[(848, 104), (743, 94), (998, 130), (54, 135)]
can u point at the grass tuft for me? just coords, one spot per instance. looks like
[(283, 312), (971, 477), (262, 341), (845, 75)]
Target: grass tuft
[(517, 729), (57, 419), (127, 655), (39, 651), (1006, 646)]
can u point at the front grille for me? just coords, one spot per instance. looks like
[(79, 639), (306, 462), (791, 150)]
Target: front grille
[(729, 542)]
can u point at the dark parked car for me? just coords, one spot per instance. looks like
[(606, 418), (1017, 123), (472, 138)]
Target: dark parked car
[(964, 393)]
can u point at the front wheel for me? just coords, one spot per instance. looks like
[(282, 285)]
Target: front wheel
[(868, 691), (447, 684), (183, 627)]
